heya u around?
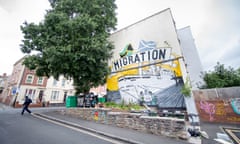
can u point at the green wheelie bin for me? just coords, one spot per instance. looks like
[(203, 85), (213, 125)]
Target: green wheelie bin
[(71, 101)]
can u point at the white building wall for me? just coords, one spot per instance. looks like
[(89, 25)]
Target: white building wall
[(193, 66), (191, 57), (159, 27), (34, 96), (59, 88)]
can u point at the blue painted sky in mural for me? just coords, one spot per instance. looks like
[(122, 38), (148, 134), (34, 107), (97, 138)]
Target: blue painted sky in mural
[(146, 45), (214, 24)]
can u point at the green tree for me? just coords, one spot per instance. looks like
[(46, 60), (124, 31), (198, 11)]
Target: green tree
[(72, 40), (222, 77)]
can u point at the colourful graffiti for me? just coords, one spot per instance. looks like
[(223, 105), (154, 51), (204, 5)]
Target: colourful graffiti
[(99, 116), (219, 109), (209, 108), (235, 119), (235, 103), (221, 105), (95, 117)]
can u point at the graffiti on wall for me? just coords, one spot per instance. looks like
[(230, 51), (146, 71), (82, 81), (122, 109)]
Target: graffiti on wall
[(218, 106), (220, 109), (99, 115), (209, 108), (235, 103), (217, 109)]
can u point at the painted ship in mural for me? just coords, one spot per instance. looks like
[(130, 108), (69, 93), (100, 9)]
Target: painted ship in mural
[(151, 74)]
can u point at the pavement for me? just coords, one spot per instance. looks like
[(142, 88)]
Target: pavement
[(3, 106), (122, 134)]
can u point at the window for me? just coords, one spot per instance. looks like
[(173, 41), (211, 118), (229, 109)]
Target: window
[(55, 95), (29, 79), (54, 82), (1, 82), (40, 95), (63, 82), (40, 80), (30, 93)]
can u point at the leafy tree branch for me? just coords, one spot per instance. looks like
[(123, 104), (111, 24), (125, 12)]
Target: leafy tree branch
[(72, 40)]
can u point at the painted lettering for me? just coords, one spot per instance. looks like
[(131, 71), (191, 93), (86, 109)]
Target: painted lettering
[(137, 60), (116, 65), (209, 108), (125, 61), (130, 59), (162, 53), (142, 54), (220, 110), (121, 63), (151, 55), (233, 119), (148, 55), (154, 54)]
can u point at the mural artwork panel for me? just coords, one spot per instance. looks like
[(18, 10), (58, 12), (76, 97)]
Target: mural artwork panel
[(149, 74)]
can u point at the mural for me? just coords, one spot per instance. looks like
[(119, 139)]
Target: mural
[(149, 74)]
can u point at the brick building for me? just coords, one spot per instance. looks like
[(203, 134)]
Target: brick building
[(23, 82), (3, 84)]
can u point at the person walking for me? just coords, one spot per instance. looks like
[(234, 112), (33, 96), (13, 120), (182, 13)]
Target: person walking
[(26, 103)]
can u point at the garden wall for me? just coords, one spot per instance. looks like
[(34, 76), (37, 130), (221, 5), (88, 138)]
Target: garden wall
[(171, 127)]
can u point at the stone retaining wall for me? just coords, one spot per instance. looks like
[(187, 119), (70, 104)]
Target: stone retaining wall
[(171, 127)]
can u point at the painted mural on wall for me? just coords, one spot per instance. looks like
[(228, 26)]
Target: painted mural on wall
[(148, 73), (235, 103), (218, 105)]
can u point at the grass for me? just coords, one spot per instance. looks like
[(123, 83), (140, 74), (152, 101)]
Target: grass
[(123, 106)]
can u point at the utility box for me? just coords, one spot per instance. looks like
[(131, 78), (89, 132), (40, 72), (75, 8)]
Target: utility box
[(101, 99)]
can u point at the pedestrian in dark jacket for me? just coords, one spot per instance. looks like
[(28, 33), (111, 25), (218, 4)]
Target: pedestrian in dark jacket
[(26, 103)]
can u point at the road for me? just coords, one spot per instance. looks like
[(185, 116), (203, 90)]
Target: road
[(213, 128), (27, 129)]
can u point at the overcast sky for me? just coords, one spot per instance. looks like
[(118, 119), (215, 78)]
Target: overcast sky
[(215, 26)]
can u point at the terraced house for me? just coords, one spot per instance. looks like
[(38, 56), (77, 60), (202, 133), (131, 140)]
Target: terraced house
[(24, 82), (42, 90)]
